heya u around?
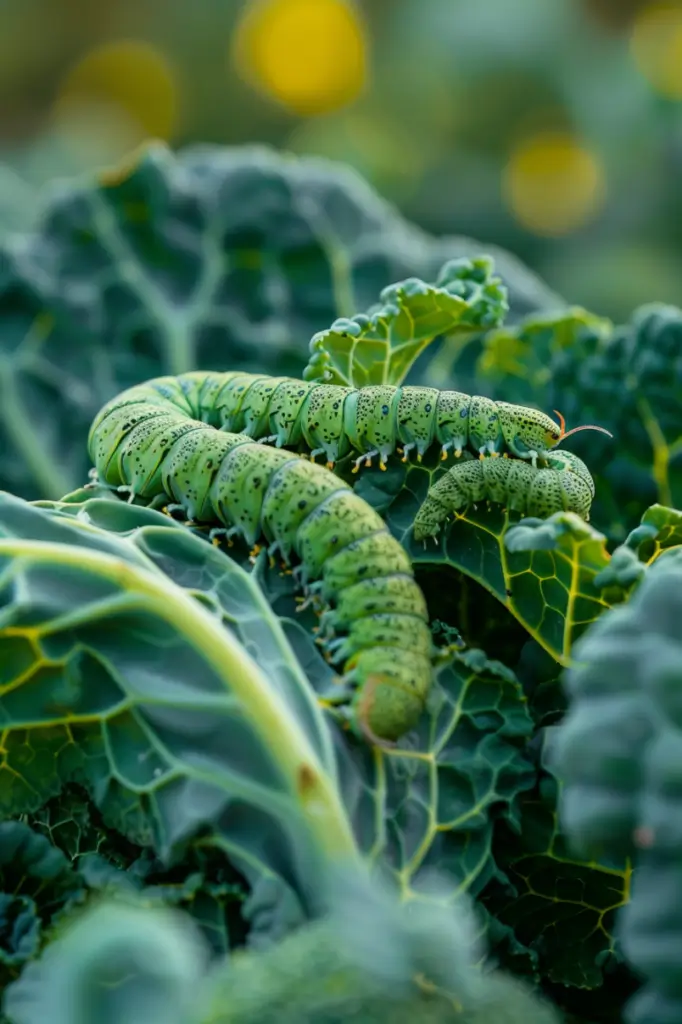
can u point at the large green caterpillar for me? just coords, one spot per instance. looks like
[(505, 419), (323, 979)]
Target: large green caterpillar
[(333, 421), (375, 622), (564, 484)]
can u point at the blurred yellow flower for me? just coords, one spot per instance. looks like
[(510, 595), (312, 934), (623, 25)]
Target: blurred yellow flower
[(310, 55), (130, 80), (656, 45), (553, 185)]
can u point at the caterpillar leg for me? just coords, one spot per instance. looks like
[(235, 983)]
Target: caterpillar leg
[(223, 531), (407, 448), (277, 548), (457, 452), (367, 459), (300, 578), (174, 506)]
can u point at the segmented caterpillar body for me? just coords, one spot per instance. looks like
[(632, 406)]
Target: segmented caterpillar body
[(564, 484), (333, 421), (375, 622)]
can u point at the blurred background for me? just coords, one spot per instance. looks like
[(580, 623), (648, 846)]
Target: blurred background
[(550, 127)]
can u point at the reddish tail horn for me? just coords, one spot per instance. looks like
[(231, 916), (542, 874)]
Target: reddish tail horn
[(586, 426)]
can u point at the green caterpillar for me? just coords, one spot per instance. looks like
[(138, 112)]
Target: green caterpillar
[(564, 484), (374, 421), (375, 622)]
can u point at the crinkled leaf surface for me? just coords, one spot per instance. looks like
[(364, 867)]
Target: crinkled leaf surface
[(659, 533), (561, 907), (627, 379), (434, 801), (212, 259), (101, 861), (518, 359), (31, 866), (618, 754), (381, 346), (20, 929), (36, 880), (169, 731), (542, 571)]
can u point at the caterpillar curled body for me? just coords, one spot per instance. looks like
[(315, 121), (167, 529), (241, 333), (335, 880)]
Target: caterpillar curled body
[(375, 620), (333, 421), (564, 484)]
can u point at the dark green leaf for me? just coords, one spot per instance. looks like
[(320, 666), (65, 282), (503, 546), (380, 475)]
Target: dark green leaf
[(434, 800), (178, 729), (618, 754), (517, 361), (214, 259), (628, 380), (562, 908), (542, 571), (19, 929)]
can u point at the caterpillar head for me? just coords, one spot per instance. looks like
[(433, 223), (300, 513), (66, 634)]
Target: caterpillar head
[(529, 433), (576, 464)]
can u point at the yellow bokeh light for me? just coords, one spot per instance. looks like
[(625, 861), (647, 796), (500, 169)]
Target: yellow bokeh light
[(656, 45), (128, 79), (310, 55), (553, 185)]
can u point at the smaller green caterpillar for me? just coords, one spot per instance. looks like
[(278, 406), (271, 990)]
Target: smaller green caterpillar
[(564, 484)]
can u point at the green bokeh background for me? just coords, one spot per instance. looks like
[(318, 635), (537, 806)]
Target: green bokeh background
[(452, 88)]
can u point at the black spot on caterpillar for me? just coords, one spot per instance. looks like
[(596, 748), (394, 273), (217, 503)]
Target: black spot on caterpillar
[(374, 421), (564, 484), (375, 620)]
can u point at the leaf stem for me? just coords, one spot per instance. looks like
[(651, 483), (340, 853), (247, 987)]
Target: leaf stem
[(23, 437), (269, 716)]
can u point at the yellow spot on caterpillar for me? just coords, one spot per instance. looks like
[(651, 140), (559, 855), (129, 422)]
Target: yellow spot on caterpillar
[(330, 465), (494, 455), (458, 453), (382, 465), (419, 456), (255, 551)]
